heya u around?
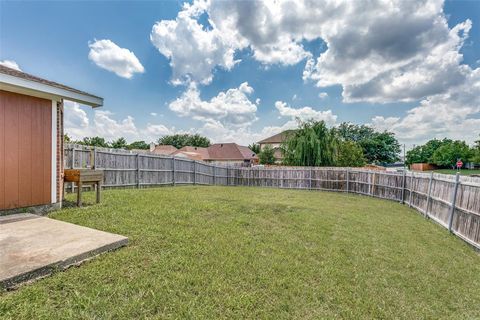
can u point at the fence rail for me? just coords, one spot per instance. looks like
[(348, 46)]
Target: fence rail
[(452, 201)]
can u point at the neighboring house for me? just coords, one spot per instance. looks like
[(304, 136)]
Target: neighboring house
[(163, 149), (31, 122), (194, 153), (275, 142), (231, 154)]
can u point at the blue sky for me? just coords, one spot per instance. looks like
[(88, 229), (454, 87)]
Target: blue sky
[(245, 70)]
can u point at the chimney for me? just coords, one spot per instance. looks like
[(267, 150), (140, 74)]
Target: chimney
[(152, 146)]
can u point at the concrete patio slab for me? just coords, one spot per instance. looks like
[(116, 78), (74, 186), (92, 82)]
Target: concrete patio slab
[(32, 247)]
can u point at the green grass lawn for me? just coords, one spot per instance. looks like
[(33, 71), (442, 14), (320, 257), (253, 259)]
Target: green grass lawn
[(250, 253), (465, 172)]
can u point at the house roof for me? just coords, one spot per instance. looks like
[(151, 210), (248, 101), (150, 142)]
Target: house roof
[(164, 149), (189, 155), (230, 151), (24, 83), (278, 138), (200, 153)]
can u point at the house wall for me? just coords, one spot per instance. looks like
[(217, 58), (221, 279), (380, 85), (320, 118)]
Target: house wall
[(422, 166), (236, 163), (272, 145), (29, 171)]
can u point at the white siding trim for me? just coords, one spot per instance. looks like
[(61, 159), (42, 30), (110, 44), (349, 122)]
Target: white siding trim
[(34, 88), (54, 151)]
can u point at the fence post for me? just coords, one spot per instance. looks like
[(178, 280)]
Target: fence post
[(347, 174), (310, 180), (73, 158), (94, 164), (214, 175), (138, 170), (429, 194), (454, 199), (372, 185), (404, 177), (72, 186), (173, 171), (410, 191), (194, 172), (228, 175)]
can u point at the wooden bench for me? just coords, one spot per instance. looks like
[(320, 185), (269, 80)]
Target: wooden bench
[(84, 176)]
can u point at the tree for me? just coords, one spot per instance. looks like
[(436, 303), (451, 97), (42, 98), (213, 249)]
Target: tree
[(66, 138), (142, 145), (352, 132), (267, 155), (476, 152), (120, 143), (313, 144), (254, 147), (424, 153), (448, 154), (378, 147), (94, 142), (350, 154), (182, 140)]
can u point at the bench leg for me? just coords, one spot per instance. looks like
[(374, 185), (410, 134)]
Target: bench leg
[(79, 193)]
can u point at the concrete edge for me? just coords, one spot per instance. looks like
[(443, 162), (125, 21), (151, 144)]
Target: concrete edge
[(17, 217), (41, 210), (45, 271)]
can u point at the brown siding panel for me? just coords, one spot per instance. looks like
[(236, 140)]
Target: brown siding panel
[(11, 152), (2, 151), (25, 159), (25, 145), (47, 152)]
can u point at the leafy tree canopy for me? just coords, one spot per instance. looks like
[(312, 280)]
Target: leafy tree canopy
[(254, 147), (350, 154), (94, 142), (120, 143), (313, 144), (142, 145), (267, 155), (448, 154), (378, 147), (476, 151), (424, 153), (182, 140)]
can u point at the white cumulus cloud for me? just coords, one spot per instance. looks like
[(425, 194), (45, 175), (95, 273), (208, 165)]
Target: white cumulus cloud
[(10, 64), (78, 124), (109, 56), (452, 114), (322, 95), (305, 113), (193, 50), (232, 108)]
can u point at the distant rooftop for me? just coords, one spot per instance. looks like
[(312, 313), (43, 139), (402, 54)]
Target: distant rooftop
[(164, 149), (278, 138), (230, 151)]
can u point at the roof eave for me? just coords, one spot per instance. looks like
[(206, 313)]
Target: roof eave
[(42, 90)]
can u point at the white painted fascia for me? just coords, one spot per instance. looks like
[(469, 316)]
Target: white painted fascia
[(42, 90), (54, 152)]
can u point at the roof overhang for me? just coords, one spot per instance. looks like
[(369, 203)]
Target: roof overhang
[(42, 90)]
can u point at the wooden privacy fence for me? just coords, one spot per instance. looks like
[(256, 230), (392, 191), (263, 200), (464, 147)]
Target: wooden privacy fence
[(452, 201), (132, 169)]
